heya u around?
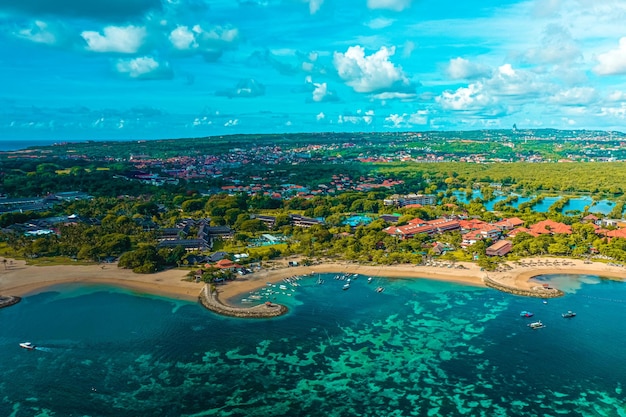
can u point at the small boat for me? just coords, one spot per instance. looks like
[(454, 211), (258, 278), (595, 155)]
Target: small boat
[(536, 325), (568, 315), (346, 286), (369, 280), (526, 314), (27, 345), (380, 289)]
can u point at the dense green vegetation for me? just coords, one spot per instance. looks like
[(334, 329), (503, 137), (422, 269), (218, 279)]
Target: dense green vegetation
[(122, 218), (596, 178)]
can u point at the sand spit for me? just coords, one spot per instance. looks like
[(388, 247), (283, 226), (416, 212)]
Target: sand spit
[(209, 299)]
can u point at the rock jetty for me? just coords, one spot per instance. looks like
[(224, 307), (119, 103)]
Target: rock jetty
[(538, 291), (209, 299), (8, 300)]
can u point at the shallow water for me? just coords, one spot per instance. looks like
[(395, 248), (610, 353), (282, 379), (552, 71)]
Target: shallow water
[(420, 348)]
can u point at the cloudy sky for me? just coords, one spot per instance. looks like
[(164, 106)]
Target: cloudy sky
[(132, 69)]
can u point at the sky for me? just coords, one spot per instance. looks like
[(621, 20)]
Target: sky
[(149, 69)]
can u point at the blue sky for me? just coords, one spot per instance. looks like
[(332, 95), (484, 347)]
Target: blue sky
[(143, 69)]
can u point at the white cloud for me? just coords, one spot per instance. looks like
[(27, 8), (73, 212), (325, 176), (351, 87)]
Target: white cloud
[(408, 48), (373, 73), (379, 23), (125, 40), (507, 81), (208, 42), (461, 68), (557, 47), (472, 97), (314, 5), (183, 39), (507, 89), (360, 117), (616, 96), (231, 123), (395, 96), (202, 121), (38, 32), (404, 120), (395, 5), (320, 116), (143, 68), (320, 92), (546, 8), (246, 88), (612, 62), (577, 96)]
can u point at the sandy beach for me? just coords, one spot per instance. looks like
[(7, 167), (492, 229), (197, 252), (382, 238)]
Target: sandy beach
[(19, 279)]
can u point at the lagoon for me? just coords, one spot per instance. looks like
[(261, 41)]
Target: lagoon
[(419, 348), (575, 204)]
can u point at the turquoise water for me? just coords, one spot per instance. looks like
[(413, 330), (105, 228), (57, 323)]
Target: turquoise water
[(420, 348), (579, 204), (575, 204)]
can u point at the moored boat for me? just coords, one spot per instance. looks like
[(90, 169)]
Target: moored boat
[(380, 289), (536, 325), (526, 314), (569, 314), (346, 286), (27, 346)]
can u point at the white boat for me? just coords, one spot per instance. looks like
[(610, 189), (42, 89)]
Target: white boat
[(27, 345), (369, 280), (536, 325), (569, 314), (380, 289), (346, 286)]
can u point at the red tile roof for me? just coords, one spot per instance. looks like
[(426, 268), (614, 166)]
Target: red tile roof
[(551, 227)]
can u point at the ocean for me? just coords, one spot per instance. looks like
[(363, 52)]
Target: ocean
[(419, 348)]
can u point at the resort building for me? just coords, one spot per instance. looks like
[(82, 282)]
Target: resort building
[(509, 224), (550, 227), (301, 221), (500, 248), (418, 226), (410, 199)]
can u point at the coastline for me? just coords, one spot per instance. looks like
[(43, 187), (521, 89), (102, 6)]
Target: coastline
[(21, 280)]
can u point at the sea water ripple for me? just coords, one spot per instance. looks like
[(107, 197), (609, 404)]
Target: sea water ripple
[(419, 348)]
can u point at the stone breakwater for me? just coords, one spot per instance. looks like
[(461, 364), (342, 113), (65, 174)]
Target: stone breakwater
[(537, 291), (8, 300), (209, 299)]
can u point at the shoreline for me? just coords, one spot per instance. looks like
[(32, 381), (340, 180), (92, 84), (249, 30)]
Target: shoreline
[(22, 280), (517, 277)]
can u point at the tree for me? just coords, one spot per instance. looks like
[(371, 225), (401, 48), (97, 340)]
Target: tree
[(252, 226), (142, 260)]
